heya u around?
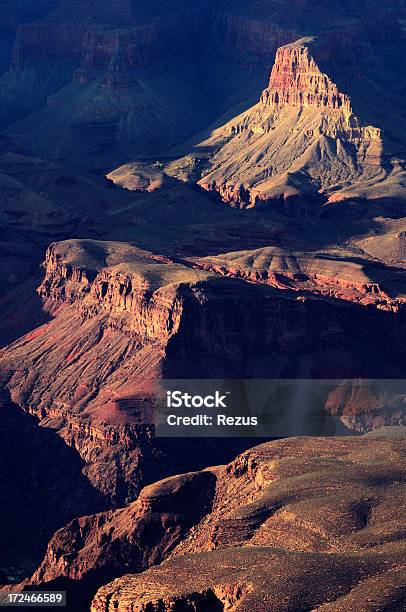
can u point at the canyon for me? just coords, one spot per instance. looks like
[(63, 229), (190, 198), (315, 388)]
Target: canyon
[(206, 190)]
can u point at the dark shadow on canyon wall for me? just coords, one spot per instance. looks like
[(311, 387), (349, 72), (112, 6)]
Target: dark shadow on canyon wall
[(42, 488), (21, 311)]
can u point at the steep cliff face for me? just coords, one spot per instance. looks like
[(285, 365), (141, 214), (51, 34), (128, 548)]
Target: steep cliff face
[(123, 318), (91, 49), (96, 83), (105, 348), (37, 471), (153, 302), (295, 496), (116, 55), (247, 41), (296, 80), (135, 302), (87, 68), (40, 43), (117, 327), (107, 76), (90, 373)]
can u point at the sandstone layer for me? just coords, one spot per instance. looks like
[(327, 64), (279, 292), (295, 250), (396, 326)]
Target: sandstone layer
[(149, 316)]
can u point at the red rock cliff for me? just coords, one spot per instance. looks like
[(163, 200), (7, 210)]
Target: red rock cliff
[(297, 81)]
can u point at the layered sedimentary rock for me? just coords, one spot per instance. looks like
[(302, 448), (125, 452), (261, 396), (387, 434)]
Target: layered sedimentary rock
[(282, 512), (246, 41), (123, 318), (37, 44), (150, 304), (84, 49), (257, 579), (106, 347), (37, 471), (303, 144), (329, 274), (296, 80), (60, 63), (213, 292)]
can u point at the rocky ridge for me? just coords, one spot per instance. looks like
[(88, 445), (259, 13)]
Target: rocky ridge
[(96, 61), (132, 538), (329, 274), (292, 503)]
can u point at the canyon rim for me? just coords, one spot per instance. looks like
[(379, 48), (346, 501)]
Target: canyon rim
[(203, 191)]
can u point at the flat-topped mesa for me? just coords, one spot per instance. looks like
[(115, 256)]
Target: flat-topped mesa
[(296, 80), (135, 297)]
